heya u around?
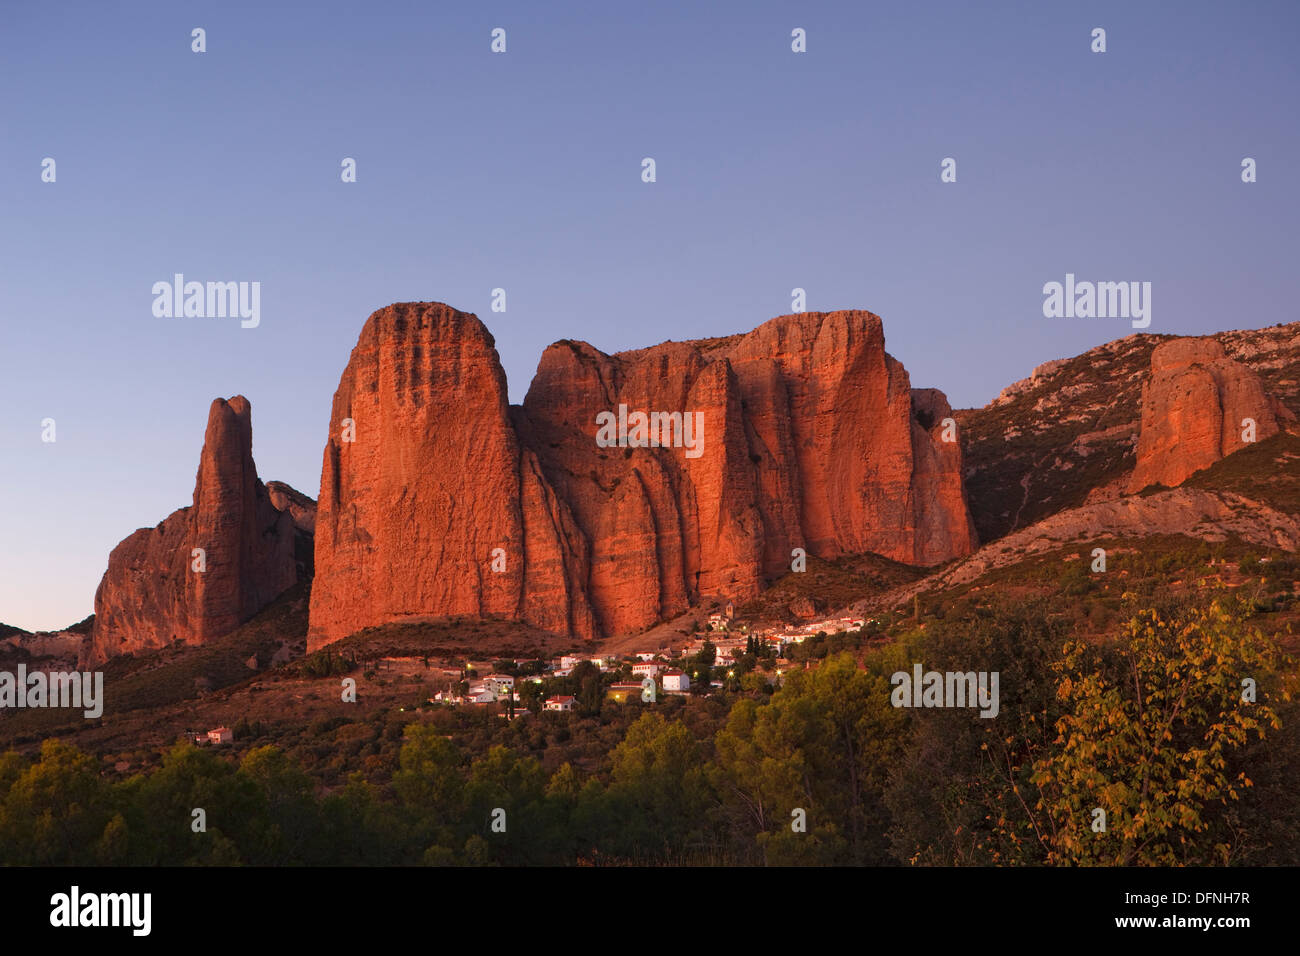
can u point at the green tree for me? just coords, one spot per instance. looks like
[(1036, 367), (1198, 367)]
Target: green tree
[(361, 829), (823, 744), (532, 695), (292, 829), (1148, 736), (501, 779), (431, 786), (658, 791), (56, 810), (960, 791), (159, 809), (588, 688), (708, 656)]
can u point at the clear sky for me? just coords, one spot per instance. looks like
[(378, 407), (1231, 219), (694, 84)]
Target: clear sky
[(522, 170)]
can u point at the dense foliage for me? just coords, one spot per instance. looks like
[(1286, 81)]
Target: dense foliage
[(1152, 726)]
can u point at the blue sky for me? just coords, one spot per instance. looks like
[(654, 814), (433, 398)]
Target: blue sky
[(522, 171)]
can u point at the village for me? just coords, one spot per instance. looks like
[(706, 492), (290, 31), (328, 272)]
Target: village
[(667, 671), (723, 654)]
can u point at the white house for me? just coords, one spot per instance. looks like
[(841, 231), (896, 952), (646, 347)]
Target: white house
[(570, 660), (500, 684), (221, 735), (675, 680), (563, 702), (726, 655), (646, 668)]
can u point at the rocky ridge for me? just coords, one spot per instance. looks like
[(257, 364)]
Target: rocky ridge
[(1068, 434)]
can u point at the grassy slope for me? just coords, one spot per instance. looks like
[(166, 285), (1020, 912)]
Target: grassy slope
[(174, 674), (830, 585), (1267, 471)]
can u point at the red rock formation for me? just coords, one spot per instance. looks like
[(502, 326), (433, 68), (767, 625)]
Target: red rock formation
[(938, 503), (811, 437), (303, 512), (153, 594), (421, 511), (1193, 407), (301, 508)]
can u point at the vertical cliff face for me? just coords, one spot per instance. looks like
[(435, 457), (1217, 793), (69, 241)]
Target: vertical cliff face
[(802, 434), (939, 510), (158, 590), (869, 470), (420, 479), (812, 439), (424, 489), (1194, 407)]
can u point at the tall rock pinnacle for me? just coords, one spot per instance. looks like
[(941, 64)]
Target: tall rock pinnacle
[(205, 569)]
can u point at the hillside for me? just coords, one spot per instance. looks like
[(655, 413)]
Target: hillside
[(177, 673), (1233, 527), (1066, 435)]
